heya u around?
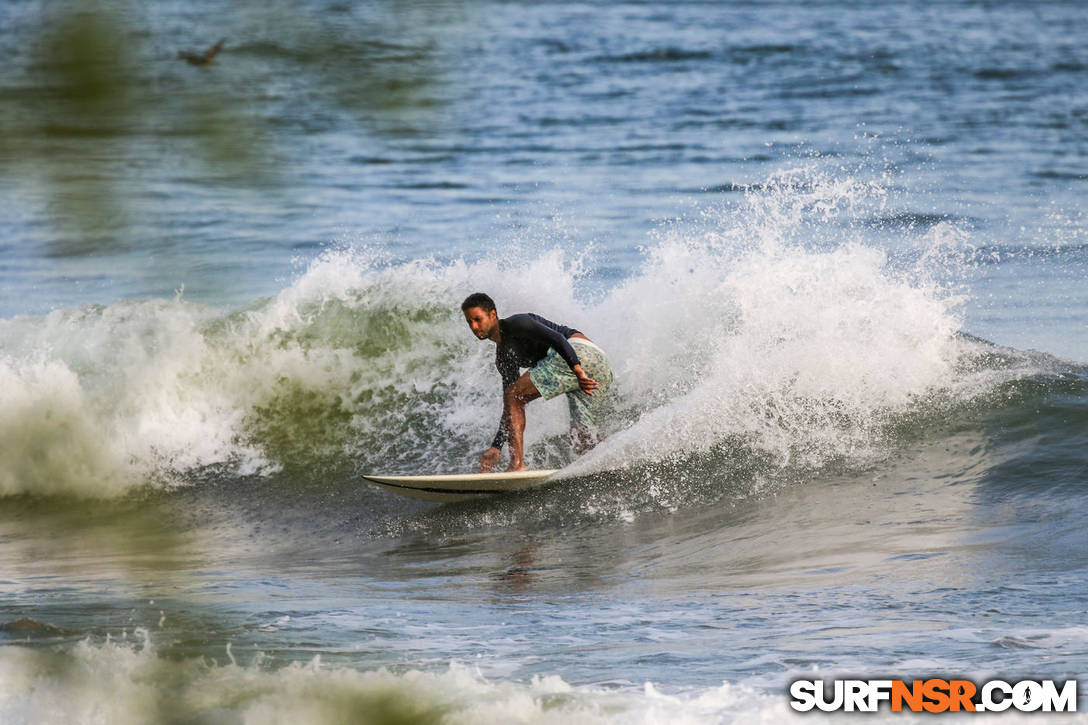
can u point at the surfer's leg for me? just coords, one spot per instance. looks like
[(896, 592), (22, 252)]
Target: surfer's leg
[(514, 399), (585, 413), (552, 376), (586, 410)]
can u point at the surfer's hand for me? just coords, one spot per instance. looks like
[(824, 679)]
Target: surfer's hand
[(586, 383), (489, 459)]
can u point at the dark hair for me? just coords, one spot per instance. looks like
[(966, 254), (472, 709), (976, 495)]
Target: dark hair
[(478, 299)]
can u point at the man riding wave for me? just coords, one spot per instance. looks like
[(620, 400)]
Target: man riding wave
[(561, 360)]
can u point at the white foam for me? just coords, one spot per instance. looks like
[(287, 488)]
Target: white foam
[(800, 350), (128, 682), (121, 683)]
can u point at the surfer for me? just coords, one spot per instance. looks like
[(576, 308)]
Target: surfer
[(554, 355)]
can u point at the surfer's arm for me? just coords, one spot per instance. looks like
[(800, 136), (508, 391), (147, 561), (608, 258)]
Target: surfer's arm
[(560, 344), (526, 326), (490, 457), (504, 425), (508, 371)]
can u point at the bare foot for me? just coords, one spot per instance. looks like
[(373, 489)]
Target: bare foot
[(515, 469)]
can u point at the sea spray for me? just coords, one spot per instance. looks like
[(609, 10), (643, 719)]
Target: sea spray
[(798, 349)]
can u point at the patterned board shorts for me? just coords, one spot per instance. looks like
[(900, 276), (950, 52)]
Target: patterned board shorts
[(552, 376)]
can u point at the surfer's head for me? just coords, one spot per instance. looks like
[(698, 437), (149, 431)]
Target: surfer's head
[(480, 315)]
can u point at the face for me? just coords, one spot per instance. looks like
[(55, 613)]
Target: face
[(483, 324)]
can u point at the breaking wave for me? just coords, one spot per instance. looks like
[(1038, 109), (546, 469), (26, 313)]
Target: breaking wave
[(773, 330)]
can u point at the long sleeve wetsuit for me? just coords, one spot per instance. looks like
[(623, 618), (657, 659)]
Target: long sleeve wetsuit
[(525, 340)]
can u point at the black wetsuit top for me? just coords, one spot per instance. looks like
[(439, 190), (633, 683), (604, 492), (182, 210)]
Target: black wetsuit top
[(525, 340)]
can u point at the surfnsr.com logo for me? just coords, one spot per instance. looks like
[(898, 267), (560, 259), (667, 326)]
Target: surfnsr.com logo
[(933, 695)]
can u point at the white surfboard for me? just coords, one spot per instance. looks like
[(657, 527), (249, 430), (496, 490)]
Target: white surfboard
[(461, 486)]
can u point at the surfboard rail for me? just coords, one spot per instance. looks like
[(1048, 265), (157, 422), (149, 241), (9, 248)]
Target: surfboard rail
[(461, 486)]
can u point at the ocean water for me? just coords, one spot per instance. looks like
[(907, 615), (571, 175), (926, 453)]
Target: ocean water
[(836, 251)]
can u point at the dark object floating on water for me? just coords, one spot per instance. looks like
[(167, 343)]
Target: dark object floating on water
[(205, 58), (25, 625)]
